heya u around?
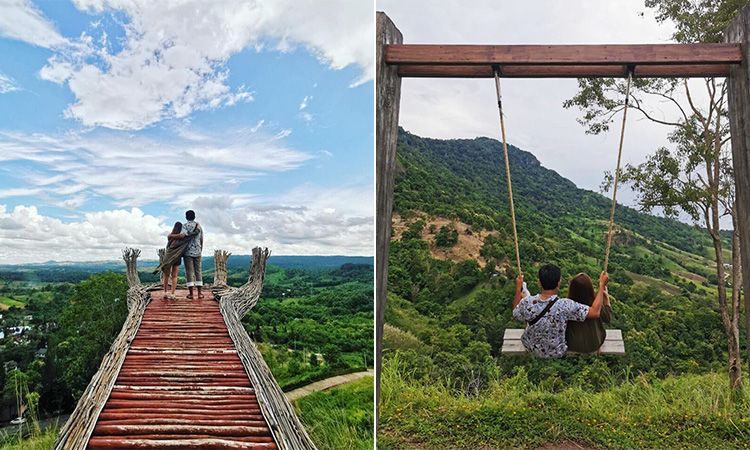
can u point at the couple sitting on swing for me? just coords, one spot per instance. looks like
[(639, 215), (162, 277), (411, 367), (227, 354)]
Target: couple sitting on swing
[(558, 325)]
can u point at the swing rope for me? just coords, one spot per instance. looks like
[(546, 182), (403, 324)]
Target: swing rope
[(617, 171), (507, 168), (610, 231)]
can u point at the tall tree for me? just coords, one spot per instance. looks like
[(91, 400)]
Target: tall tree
[(693, 175)]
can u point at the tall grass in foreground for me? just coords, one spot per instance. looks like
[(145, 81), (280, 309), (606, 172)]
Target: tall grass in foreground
[(690, 411), (341, 417), (42, 441)]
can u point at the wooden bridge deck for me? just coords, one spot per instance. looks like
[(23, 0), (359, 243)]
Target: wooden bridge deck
[(182, 385)]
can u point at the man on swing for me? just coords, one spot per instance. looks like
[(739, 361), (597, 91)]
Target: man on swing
[(546, 315)]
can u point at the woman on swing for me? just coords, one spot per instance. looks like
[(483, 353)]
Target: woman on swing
[(589, 335)]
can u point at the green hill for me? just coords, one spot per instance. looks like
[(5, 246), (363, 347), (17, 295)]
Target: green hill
[(451, 285)]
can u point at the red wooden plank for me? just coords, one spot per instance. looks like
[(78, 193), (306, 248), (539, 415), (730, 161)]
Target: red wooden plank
[(182, 386), (99, 443)]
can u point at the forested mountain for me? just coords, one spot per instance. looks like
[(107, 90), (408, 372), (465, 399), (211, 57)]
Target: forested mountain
[(466, 178), (448, 306)]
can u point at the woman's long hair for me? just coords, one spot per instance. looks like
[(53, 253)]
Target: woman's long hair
[(177, 228), (581, 289)]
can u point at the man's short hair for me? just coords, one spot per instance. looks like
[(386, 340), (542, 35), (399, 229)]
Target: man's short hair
[(190, 215), (549, 276)]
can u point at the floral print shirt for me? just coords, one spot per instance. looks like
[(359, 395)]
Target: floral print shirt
[(546, 338), (194, 248)]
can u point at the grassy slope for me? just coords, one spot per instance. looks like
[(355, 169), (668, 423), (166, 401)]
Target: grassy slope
[(341, 417), (691, 411), (7, 302)]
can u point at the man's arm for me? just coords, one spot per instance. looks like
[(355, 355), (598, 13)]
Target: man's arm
[(201, 230), (519, 288), (596, 307)]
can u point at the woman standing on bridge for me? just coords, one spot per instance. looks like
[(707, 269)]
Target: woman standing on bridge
[(170, 264)]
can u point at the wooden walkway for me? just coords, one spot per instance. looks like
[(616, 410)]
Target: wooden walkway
[(182, 385)]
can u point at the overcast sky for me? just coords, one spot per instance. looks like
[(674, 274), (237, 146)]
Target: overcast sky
[(118, 115), (536, 120)]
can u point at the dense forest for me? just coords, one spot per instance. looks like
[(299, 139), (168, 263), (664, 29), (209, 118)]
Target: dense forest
[(450, 287), (314, 320)]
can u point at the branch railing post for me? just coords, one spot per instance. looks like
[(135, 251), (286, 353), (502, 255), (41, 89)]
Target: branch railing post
[(220, 267), (161, 253), (130, 256), (234, 303)]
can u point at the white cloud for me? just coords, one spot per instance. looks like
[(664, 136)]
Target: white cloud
[(7, 84), (311, 222), (138, 170), (174, 54), (305, 102), (18, 192), (22, 21), (28, 236)]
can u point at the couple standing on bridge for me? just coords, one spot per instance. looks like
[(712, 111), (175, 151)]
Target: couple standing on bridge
[(185, 242)]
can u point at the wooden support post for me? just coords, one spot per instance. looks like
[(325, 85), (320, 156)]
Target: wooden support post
[(161, 253), (220, 267), (739, 121), (130, 256), (388, 98)]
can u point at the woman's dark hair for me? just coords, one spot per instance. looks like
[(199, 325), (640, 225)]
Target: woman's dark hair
[(177, 228), (549, 276), (581, 289)]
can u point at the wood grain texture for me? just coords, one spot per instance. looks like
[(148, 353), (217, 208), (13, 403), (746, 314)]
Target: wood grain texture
[(739, 122), (572, 71), (604, 54), (613, 344), (388, 98)]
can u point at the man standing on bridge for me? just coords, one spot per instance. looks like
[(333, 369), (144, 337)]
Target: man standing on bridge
[(192, 255)]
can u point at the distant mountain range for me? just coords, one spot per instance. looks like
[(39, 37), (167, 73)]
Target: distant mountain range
[(54, 270)]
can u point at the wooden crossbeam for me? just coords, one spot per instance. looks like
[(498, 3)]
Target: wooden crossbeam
[(565, 55), (563, 61), (535, 71), (512, 345)]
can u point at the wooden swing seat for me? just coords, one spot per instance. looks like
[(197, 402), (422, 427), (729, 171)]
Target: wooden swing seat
[(512, 345)]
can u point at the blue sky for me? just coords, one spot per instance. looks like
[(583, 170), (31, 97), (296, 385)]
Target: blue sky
[(117, 116)]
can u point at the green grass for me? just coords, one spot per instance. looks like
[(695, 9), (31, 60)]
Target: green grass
[(11, 302), (44, 441), (341, 417), (690, 411)]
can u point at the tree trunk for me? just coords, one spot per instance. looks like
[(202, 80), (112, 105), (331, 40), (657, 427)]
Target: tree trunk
[(734, 365)]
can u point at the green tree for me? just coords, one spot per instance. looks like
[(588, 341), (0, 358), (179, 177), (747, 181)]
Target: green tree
[(88, 325), (447, 236), (694, 174)]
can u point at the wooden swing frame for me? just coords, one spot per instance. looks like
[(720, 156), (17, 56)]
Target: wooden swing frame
[(395, 60)]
